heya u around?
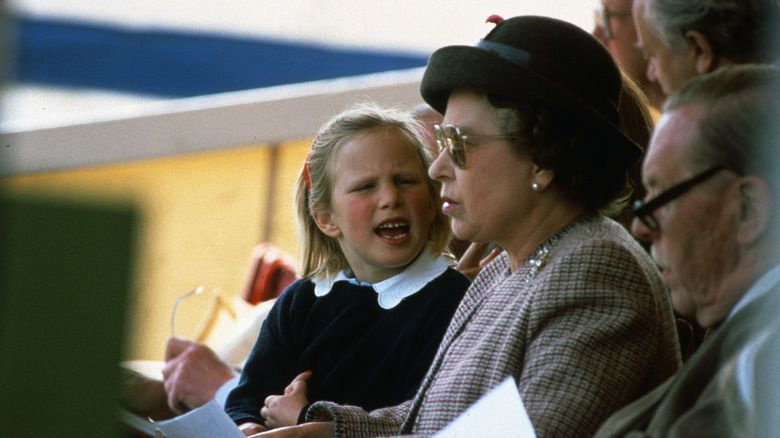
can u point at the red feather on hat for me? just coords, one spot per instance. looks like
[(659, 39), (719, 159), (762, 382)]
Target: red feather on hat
[(495, 19)]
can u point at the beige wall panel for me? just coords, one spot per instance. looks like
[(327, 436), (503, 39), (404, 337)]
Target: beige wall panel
[(201, 216)]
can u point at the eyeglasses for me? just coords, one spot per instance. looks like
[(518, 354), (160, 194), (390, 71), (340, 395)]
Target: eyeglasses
[(450, 138), (195, 291), (643, 210), (602, 17)]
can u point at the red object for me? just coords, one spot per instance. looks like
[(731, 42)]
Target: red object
[(270, 272), (495, 19), (306, 176)]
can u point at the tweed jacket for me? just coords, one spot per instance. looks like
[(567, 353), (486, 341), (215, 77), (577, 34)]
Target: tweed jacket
[(584, 326), (728, 388)]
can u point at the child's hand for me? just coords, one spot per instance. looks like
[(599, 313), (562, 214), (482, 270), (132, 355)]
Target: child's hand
[(283, 410)]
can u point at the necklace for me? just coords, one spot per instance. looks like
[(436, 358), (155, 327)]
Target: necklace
[(538, 259), (541, 255)]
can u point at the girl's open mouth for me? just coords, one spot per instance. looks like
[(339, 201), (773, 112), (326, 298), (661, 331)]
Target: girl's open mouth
[(393, 230)]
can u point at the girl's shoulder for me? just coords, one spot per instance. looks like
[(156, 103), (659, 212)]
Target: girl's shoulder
[(300, 284), (300, 289), (451, 282), (453, 276)]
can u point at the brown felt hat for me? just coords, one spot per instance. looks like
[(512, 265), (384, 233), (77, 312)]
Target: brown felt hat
[(542, 59)]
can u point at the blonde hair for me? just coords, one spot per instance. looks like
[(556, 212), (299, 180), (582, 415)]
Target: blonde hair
[(322, 255)]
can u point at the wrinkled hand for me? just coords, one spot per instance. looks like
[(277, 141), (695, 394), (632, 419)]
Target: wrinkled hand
[(308, 430), (193, 373), (472, 262), (283, 410)]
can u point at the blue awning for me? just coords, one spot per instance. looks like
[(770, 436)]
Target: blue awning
[(178, 64)]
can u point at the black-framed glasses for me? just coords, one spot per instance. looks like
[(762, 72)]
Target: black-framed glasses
[(643, 210), (450, 137), (603, 16)]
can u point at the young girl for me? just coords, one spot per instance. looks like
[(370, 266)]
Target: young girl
[(377, 293)]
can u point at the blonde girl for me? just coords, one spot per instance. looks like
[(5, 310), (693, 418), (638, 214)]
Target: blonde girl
[(377, 292)]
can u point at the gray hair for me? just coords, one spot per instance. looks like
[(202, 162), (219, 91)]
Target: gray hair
[(744, 30), (740, 125)]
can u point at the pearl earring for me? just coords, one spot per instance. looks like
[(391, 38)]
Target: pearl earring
[(535, 187)]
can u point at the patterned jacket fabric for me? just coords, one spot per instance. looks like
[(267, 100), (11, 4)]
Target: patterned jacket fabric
[(585, 326)]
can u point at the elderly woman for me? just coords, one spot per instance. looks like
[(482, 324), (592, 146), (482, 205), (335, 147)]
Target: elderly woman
[(573, 309)]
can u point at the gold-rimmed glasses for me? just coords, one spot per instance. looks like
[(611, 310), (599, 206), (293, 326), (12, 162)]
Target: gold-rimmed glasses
[(195, 291), (450, 138)]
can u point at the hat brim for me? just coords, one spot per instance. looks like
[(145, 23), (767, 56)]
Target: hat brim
[(452, 67)]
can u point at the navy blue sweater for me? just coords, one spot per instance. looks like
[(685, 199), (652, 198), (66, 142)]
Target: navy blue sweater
[(359, 353)]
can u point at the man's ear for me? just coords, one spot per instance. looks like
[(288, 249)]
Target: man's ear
[(324, 220), (755, 209), (705, 59)]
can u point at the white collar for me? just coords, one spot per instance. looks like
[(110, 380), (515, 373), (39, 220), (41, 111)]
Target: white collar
[(390, 292), (760, 288)]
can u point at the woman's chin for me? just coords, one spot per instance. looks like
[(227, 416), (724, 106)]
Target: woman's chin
[(463, 232)]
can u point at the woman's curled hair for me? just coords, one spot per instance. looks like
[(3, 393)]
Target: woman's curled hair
[(581, 166)]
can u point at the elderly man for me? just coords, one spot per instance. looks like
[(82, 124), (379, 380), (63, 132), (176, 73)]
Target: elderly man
[(615, 28), (685, 38), (712, 217)]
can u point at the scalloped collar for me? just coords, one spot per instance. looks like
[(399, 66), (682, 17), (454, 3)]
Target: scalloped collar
[(392, 291)]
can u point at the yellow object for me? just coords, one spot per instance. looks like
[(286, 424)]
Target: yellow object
[(201, 216)]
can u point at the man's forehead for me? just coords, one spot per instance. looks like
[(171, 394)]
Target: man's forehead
[(642, 31), (638, 6), (671, 141), (646, 35)]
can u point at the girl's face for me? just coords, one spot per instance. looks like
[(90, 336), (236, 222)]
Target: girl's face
[(381, 208)]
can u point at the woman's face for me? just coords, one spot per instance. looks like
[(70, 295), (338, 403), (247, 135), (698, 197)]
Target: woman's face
[(491, 194)]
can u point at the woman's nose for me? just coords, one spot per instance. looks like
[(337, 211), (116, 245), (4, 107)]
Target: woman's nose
[(439, 169)]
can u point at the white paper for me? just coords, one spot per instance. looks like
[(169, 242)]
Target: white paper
[(499, 413), (208, 421)]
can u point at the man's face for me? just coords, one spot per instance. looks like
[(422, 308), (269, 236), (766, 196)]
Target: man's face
[(669, 69), (623, 41), (695, 243)]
